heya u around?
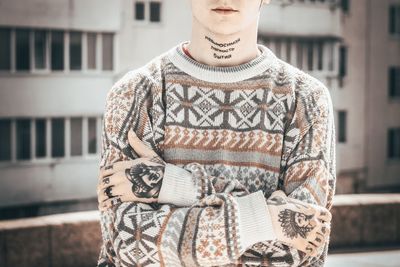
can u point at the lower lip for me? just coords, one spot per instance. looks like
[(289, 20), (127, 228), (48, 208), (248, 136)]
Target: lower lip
[(224, 12)]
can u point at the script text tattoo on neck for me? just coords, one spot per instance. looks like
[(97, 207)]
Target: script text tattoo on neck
[(225, 48)]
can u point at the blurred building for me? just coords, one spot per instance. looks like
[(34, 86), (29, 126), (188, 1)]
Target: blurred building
[(59, 58), (353, 47)]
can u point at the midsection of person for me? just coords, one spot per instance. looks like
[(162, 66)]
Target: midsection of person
[(233, 132)]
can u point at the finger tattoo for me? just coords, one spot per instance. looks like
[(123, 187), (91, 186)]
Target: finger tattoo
[(108, 192), (106, 180), (295, 223), (116, 200)]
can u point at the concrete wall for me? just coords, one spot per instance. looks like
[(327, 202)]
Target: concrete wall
[(298, 19), (74, 239), (53, 95), (90, 15)]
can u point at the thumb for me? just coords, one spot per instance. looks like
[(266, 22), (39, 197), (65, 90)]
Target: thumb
[(140, 148)]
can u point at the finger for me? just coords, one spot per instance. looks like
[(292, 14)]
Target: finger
[(101, 196), (117, 166), (141, 148), (112, 180), (320, 236), (314, 222), (309, 250), (312, 249), (110, 203), (108, 192), (325, 216), (325, 229), (122, 189), (319, 240)]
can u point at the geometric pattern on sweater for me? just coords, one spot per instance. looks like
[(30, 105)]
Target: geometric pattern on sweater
[(136, 227), (241, 109), (247, 109), (289, 117)]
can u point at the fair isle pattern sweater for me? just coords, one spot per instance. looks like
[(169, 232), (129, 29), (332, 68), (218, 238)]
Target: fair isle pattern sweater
[(230, 136)]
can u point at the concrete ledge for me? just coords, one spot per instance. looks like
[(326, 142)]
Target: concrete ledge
[(365, 220), (70, 239), (74, 239)]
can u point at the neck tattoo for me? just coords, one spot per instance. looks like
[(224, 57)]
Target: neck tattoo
[(224, 48)]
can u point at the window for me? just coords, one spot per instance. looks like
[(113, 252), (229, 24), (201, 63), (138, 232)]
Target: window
[(40, 49), (5, 49), (331, 52), (23, 131), (278, 48), (320, 54), (345, 5), (139, 10), (155, 11), (47, 135), (394, 143), (5, 140), (394, 81), (92, 136), (342, 61), (342, 126), (153, 14), (75, 50), (57, 50), (299, 55), (108, 48), (310, 55), (57, 137), (22, 49), (394, 19), (40, 125), (91, 51), (76, 136), (288, 50)]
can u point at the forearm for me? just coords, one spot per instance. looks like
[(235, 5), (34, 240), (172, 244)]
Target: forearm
[(195, 184)]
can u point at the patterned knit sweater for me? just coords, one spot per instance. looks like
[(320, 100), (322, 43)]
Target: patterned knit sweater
[(230, 136)]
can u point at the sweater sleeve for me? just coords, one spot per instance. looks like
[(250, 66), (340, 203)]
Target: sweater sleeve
[(308, 166), (307, 174)]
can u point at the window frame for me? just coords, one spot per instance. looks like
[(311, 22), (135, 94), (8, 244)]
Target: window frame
[(147, 13), (393, 82), (342, 132), (392, 131), (395, 19)]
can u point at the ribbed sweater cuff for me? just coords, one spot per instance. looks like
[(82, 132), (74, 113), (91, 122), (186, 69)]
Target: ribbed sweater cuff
[(177, 187), (255, 223)]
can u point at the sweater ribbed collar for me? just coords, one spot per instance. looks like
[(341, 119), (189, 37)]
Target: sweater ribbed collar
[(220, 74)]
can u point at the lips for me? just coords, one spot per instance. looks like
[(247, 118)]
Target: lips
[(224, 10)]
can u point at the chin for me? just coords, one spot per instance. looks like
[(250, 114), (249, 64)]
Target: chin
[(223, 29)]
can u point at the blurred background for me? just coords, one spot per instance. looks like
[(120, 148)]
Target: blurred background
[(59, 58)]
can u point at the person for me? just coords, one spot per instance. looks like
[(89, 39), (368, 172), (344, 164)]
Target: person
[(217, 153)]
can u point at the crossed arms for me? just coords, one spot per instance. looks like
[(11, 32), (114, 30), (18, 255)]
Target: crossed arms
[(295, 220)]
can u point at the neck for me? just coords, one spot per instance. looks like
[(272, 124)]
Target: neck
[(222, 50)]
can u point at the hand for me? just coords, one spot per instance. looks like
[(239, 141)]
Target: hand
[(303, 226), (132, 180)]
